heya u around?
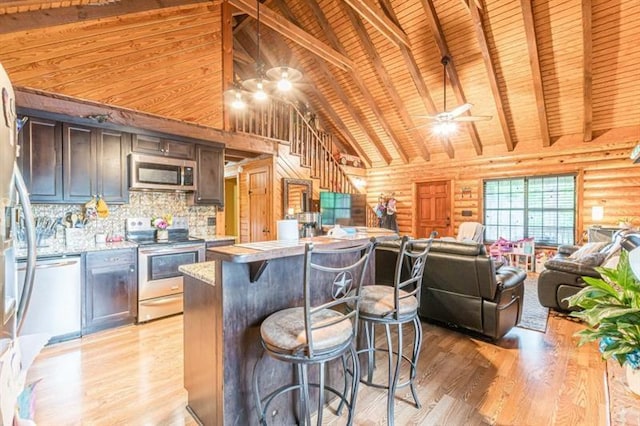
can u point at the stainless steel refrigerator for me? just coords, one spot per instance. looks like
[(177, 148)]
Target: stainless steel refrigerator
[(12, 193)]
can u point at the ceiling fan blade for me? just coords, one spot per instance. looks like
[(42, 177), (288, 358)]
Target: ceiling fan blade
[(428, 117), (460, 110), (473, 118)]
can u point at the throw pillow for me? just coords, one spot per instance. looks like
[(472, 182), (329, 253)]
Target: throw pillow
[(593, 259), (587, 249)]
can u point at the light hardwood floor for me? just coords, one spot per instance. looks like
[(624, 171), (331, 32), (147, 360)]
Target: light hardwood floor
[(133, 376)]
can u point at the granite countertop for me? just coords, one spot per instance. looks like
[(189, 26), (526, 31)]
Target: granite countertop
[(63, 250), (203, 271), (265, 250)]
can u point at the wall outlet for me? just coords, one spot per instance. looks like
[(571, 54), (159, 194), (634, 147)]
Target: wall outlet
[(211, 221)]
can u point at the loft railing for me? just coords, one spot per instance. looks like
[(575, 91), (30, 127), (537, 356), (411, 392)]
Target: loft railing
[(284, 122)]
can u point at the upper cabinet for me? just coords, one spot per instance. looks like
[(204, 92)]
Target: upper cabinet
[(210, 169), (41, 159), (162, 146), (64, 162)]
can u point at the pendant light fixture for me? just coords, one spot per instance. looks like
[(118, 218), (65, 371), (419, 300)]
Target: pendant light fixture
[(256, 85), (284, 76)]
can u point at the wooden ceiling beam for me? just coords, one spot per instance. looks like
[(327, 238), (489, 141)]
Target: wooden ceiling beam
[(438, 34), (387, 83), (534, 61), (368, 11), (60, 13), (587, 48), (341, 127), (240, 55), (351, 106), (481, 36), (357, 81), (416, 76), (269, 58), (294, 33)]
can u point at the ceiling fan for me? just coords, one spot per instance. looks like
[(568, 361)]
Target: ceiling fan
[(445, 120)]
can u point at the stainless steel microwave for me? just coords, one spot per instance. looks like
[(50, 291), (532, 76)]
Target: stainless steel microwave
[(152, 172)]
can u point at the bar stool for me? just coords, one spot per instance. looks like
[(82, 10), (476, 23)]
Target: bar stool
[(318, 332), (395, 305)]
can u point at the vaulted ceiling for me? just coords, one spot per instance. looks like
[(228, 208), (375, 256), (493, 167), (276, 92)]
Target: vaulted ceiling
[(546, 71)]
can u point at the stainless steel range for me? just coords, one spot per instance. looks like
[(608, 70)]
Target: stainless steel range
[(159, 280)]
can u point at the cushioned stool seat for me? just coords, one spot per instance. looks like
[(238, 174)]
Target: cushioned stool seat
[(378, 300), (284, 331)]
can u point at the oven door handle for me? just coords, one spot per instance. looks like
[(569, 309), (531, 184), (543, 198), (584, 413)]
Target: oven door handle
[(171, 250)]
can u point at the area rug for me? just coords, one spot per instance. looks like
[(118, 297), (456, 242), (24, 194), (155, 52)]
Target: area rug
[(534, 315)]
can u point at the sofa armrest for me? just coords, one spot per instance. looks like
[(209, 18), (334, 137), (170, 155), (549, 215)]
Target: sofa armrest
[(572, 267), (509, 276)]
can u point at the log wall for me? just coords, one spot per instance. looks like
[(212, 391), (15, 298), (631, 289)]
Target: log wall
[(606, 176)]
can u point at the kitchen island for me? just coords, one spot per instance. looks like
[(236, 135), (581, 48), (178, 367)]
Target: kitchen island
[(225, 301)]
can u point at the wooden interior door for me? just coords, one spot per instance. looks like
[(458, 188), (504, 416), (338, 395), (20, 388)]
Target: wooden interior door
[(260, 204), (433, 208)]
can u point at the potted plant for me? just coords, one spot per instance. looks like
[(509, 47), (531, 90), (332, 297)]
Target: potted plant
[(626, 222), (611, 309)]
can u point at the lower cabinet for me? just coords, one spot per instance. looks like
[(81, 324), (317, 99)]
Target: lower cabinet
[(111, 290)]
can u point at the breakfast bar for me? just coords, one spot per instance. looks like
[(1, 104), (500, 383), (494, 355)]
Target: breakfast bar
[(225, 301)]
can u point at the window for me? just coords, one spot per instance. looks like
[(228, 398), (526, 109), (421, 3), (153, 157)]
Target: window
[(541, 207)]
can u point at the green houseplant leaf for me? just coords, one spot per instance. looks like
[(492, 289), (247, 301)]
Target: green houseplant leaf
[(611, 309)]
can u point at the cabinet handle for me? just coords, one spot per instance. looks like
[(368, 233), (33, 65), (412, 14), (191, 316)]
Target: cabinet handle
[(113, 259), (199, 198), (132, 269)]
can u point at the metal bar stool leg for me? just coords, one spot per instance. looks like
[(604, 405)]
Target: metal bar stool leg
[(417, 344), (354, 384), (391, 377), (256, 392), (321, 392)]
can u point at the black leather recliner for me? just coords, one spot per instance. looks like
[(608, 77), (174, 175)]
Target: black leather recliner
[(461, 287), (562, 276)]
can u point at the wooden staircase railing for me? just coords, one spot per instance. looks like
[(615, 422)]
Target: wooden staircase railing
[(284, 122)]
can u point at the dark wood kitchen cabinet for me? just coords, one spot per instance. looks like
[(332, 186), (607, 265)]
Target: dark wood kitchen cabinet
[(111, 289), (95, 163), (70, 163), (210, 167), (161, 146), (41, 159)]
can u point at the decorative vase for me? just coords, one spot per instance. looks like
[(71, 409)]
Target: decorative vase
[(633, 379), (162, 234)]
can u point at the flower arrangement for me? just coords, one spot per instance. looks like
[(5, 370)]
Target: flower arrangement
[(162, 222)]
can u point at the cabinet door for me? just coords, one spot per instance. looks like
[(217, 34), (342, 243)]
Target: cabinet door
[(179, 149), (147, 145), (112, 148), (79, 163), (210, 175), (160, 146), (110, 290), (41, 159)]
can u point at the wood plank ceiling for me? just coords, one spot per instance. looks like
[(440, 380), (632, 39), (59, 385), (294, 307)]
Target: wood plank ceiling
[(542, 69)]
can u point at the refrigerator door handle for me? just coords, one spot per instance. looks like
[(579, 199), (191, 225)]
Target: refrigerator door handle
[(23, 196)]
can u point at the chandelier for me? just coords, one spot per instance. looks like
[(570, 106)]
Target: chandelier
[(282, 77)]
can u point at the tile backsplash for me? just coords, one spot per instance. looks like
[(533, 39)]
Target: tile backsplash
[(141, 204)]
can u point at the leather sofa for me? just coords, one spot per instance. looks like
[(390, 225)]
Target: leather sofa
[(563, 274), (461, 288)]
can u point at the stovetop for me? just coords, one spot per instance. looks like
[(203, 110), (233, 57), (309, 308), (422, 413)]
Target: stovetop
[(140, 231)]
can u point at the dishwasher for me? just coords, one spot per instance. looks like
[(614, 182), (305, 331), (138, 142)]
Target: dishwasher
[(55, 306)]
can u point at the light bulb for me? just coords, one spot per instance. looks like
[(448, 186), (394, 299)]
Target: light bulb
[(259, 94), (238, 103), (445, 128), (284, 84)]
